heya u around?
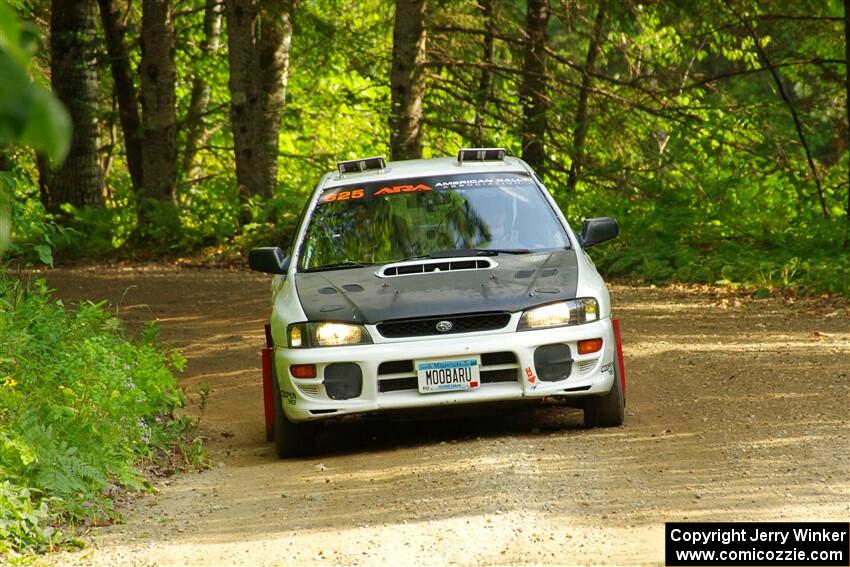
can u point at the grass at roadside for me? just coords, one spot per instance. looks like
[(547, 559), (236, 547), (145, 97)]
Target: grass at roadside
[(84, 411)]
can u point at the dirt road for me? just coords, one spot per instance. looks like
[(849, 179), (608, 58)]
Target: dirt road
[(737, 409)]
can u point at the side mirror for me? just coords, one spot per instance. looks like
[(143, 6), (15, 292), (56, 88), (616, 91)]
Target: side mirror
[(596, 231), (269, 260)]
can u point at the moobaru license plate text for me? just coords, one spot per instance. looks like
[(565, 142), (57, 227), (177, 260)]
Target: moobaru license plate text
[(447, 375)]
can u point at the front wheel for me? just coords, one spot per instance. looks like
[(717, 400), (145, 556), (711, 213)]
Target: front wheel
[(291, 439), (607, 410)]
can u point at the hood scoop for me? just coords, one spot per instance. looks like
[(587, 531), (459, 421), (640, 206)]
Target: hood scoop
[(435, 265)]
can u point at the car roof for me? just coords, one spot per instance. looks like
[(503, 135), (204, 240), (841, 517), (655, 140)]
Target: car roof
[(424, 167)]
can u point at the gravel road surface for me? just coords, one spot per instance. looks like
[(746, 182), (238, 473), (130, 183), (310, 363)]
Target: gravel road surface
[(737, 409)]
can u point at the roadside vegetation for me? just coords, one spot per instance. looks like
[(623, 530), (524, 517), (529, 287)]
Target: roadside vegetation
[(716, 132), (86, 412)]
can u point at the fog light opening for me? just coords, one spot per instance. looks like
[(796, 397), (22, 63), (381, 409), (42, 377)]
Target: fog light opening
[(303, 370), (589, 345)]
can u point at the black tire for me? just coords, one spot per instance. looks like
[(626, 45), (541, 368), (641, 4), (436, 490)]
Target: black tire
[(291, 439), (270, 433), (608, 410)]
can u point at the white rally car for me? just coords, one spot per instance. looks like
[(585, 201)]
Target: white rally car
[(435, 282)]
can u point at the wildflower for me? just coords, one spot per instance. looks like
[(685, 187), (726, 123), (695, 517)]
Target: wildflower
[(10, 382)]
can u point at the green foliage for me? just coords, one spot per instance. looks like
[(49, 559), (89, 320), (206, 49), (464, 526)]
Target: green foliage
[(23, 523), (33, 232), (7, 188), (82, 408), (688, 142), (29, 113), (670, 255)]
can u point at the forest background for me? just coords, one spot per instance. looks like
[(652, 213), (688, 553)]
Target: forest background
[(715, 131)]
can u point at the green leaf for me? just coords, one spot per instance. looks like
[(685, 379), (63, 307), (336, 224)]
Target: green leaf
[(16, 99), (45, 255), (762, 293), (30, 114), (48, 125), (10, 34)]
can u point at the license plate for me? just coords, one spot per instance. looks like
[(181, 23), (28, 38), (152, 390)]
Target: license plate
[(448, 375)]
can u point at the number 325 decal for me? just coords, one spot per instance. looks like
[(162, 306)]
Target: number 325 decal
[(344, 196)]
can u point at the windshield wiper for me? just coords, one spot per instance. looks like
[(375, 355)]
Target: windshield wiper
[(338, 266), (452, 253), (497, 251)]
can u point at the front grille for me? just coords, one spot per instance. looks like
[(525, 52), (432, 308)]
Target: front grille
[(493, 376), (396, 367), (494, 358), (487, 377), (398, 384), (476, 322), (411, 383)]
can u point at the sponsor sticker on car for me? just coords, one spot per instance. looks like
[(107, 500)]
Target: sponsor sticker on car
[(448, 375)]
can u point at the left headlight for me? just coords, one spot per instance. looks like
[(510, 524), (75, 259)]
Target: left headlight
[(307, 335), (574, 312)]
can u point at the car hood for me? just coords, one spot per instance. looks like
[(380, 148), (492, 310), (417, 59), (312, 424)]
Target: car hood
[(516, 283)]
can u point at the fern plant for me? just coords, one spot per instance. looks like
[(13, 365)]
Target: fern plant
[(82, 407)]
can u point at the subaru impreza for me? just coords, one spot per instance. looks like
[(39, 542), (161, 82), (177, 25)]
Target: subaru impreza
[(435, 282)]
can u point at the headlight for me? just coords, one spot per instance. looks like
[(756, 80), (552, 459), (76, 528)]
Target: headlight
[(306, 335), (574, 312)]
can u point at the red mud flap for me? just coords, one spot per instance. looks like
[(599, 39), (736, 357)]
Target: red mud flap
[(620, 364), (268, 388)]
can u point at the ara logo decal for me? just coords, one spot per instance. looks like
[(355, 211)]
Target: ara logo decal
[(401, 189), (289, 397), (607, 368)]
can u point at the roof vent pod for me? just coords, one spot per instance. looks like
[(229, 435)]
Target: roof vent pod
[(481, 154), (376, 163)]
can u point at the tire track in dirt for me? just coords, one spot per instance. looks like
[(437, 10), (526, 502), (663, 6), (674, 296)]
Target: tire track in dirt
[(737, 409)]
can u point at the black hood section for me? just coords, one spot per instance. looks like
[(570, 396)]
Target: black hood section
[(518, 282)]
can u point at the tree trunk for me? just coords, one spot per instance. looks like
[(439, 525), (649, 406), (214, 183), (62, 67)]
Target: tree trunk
[(196, 127), (847, 103), (485, 81), (73, 25), (251, 166), (159, 118), (533, 94), (125, 90), (258, 39), (407, 82), (274, 47), (580, 127)]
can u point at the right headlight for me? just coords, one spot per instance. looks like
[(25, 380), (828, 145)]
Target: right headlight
[(308, 335), (560, 314)]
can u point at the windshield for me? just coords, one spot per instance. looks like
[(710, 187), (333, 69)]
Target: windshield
[(389, 221)]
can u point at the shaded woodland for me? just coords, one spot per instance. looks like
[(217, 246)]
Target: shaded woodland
[(715, 131)]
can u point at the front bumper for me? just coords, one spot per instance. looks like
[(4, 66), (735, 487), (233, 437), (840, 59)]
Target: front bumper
[(508, 371)]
